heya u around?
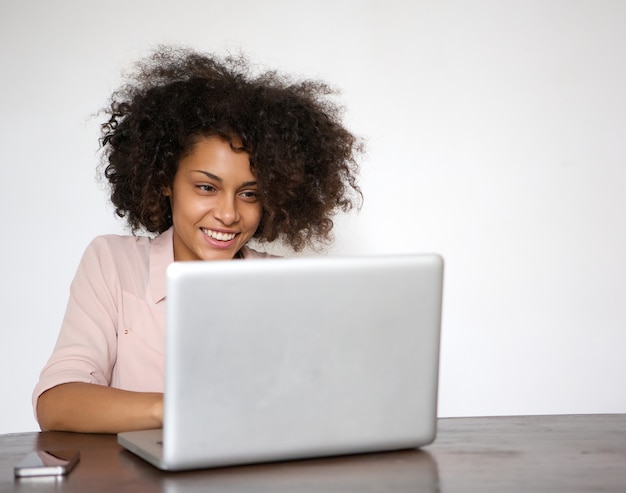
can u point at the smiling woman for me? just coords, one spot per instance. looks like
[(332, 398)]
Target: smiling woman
[(201, 157)]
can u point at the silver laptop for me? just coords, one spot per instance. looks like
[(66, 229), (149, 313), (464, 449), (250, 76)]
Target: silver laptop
[(280, 359)]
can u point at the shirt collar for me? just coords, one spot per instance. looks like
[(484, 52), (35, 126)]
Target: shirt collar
[(161, 255)]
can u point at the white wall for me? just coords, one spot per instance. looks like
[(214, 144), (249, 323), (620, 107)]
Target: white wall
[(496, 134)]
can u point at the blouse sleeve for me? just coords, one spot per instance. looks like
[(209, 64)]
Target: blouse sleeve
[(86, 347)]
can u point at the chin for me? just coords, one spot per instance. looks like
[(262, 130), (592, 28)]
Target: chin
[(220, 255)]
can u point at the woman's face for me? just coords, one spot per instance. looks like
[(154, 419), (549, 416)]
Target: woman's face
[(214, 199)]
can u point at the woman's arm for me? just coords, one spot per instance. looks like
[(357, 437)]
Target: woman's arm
[(91, 408)]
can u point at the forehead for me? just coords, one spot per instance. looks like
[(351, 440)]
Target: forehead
[(216, 155)]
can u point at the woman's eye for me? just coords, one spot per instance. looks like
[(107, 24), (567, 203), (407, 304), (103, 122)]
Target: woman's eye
[(206, 188), (250, 194)]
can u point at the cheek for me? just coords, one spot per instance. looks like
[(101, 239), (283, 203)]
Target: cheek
[(254, 216), (259, 214), (185, 205)]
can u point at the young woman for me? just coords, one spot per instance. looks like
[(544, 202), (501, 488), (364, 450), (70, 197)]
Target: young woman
[(201, 157)]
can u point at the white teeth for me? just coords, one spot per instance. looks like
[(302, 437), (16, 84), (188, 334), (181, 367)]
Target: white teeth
[(218, 235)]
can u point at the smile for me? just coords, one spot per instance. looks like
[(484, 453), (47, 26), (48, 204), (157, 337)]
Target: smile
[(217, 235)]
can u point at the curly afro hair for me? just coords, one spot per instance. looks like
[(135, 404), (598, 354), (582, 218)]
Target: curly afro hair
[(303, 158)]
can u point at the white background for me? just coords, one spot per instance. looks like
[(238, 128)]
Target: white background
[(496, 135)]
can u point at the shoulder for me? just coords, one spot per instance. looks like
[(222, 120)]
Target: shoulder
[(125, 263), (119, 246), (123, 241), (117, 253)]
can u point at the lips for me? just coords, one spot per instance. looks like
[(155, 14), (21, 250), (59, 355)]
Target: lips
[(218, 235)]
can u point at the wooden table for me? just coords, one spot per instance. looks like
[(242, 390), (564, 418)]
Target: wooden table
[(578, 453)]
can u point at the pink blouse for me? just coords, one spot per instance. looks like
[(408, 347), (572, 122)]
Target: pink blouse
[(113, 332)]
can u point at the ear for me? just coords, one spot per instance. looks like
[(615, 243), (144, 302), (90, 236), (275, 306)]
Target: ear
[(167, 191)]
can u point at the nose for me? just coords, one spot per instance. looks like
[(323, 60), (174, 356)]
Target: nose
[(226, 210)]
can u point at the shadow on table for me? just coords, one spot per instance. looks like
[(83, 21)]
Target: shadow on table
[(103, 462), (411, 470)]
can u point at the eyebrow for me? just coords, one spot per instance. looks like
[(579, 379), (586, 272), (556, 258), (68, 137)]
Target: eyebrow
[(217, 178)]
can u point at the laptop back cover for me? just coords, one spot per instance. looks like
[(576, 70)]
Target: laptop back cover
[(290, 358)]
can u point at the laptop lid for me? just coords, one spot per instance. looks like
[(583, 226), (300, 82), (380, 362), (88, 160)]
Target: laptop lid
[(278, 359)]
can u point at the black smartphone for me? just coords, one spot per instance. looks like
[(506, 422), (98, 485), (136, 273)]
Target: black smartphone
[(47, 463)]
